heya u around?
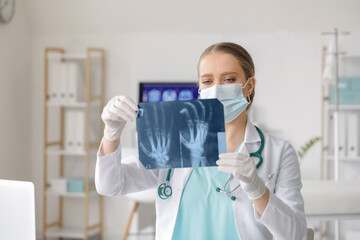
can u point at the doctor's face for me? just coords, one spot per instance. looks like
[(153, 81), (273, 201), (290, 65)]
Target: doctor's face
[(220, 68)]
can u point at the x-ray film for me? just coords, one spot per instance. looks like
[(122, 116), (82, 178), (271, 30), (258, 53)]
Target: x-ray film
[(180, 134)]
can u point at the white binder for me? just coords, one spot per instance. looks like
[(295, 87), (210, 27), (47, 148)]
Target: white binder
[(75, 83), (70, 130), (62, 83), (353, 135), (58, 185), (342, 134), (71, 82), (53, 87), (80, 130)]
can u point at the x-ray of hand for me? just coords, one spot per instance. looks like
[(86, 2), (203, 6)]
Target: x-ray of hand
[(194, 137), (158, 137), (179, 134)]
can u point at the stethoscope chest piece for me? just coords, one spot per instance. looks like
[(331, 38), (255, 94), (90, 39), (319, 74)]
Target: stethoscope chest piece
[(164, 191)]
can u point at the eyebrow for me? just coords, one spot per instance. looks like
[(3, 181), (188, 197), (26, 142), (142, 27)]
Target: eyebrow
[(225, 73)]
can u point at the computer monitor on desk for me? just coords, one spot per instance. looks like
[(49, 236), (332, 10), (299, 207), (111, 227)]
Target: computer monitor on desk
[(17, 210), (167, 91)]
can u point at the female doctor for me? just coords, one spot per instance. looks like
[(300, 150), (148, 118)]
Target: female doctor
[(259, 203)]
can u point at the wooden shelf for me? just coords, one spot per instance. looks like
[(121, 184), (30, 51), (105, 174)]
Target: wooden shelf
[(345, 107), (350, 56), (72, 105), (57, 147), (68, 56), (60, 152), (63, 152), (344, 159), (70, 194), (70, 233)]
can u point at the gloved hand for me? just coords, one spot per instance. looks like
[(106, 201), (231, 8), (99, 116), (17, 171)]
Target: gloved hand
[(116, 113), (244, 169)]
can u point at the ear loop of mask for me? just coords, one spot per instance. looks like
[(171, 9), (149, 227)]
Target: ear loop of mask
[(249, 100)]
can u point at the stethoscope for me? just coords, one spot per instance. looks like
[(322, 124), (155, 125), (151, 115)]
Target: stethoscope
[(165, 190)]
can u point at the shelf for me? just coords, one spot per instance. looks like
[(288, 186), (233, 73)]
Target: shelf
[(58, 146), (70, 232), (350, 56), (63, 152), (59, 152), (345, 107), (73, 105), (68, 56), (70, 195), (344, 159)]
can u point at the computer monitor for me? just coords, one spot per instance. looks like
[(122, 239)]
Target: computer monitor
[(167, 91), (17, 210)]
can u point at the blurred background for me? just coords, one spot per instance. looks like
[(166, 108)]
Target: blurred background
[(161, 41)]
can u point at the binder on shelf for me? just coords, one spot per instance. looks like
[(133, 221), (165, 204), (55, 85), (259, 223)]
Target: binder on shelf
[(66, 83), (70, 130), (80, 130), (53, 89), (75, 83), (62, 82), (77, 185), (58, 185), (353, 135), (342, 135)]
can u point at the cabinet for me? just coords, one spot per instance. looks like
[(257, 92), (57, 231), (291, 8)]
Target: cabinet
[(73, 101)]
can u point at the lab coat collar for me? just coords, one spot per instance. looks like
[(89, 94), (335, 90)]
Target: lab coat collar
[(251, 134)]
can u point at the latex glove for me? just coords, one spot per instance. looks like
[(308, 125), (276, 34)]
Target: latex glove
[(244, 169), (116, 113)]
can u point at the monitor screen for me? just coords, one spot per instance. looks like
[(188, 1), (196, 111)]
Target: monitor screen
[(166, 91)]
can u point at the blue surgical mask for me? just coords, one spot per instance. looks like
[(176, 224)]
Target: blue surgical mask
[(230, 95)]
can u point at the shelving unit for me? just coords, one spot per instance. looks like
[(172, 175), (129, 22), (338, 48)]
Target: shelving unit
[(331, 120), (56, 149), (328, 144)]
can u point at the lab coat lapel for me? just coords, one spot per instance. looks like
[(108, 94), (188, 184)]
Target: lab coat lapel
[(186, 173), (251, 136), (179, 177), (251, 141)]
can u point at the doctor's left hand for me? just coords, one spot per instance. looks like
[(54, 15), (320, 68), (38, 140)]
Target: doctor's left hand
[(244, 169)]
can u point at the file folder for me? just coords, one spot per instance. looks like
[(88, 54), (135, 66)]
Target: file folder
[(353, 135)]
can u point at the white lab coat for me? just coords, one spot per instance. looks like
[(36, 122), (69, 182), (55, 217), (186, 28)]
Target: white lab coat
[(283, 218)]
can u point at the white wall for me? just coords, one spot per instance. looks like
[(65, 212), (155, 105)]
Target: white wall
[(15, 96), (162, 40)]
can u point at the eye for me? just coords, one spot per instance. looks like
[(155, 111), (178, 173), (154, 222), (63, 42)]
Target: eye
[(229, 80), (206, 82)]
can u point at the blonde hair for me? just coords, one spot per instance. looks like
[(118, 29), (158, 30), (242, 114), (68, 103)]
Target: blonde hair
[(240, 54)]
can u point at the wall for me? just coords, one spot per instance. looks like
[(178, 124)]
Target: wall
[(15, 94), (162, 40)]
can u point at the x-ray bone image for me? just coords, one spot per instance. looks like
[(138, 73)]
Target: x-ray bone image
[(180, 134)]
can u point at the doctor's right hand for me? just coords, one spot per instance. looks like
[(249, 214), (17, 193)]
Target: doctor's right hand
[(118, 111)]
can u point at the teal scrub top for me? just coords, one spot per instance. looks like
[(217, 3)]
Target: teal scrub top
[(203, 212)]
